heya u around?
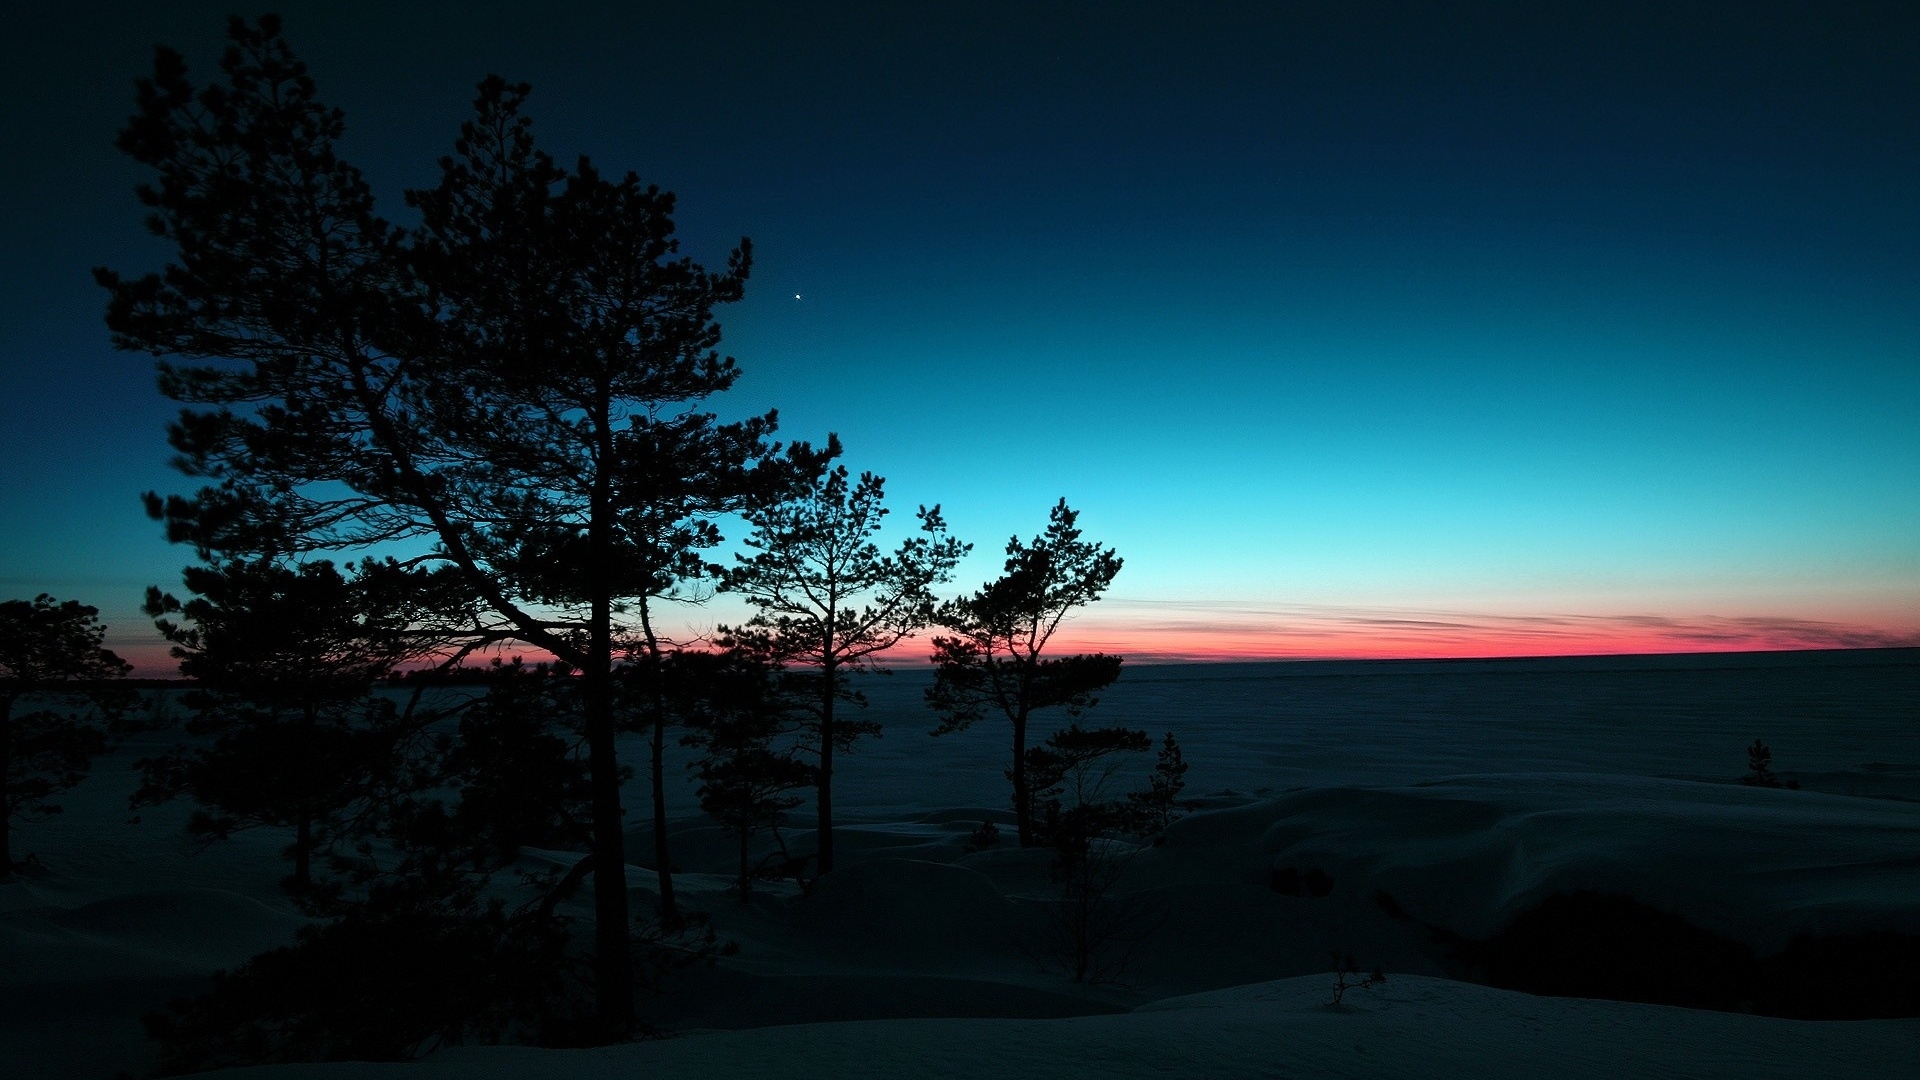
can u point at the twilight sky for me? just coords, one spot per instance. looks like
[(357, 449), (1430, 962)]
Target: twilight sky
[(1361, 329)]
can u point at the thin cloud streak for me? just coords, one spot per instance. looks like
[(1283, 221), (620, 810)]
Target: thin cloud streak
[(1236, 630)]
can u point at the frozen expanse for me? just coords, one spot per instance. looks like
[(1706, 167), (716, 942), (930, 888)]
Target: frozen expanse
[(1467, 792), (1840, 721)]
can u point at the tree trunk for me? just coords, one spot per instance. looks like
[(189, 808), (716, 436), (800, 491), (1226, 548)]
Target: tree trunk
[(824, 836), (303, 849), (657, 769), (6, 804), (303, 815), (612, 924), (613, 964), (662, 850), (1022, 809), (565, 887), (746, 872)]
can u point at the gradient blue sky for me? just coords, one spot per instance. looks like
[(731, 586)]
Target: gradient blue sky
[(1359, 329)]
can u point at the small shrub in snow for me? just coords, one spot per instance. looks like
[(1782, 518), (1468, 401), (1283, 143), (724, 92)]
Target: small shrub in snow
[(984, 837), (1346, 976)]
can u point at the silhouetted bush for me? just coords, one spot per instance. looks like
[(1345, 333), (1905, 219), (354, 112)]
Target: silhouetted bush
[(284, 656), (1095, 927), (413, 969), (1070, 773), (984, 837), (424, 948)]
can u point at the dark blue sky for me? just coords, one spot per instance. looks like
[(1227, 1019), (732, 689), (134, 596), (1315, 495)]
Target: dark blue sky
[(1405, 329)]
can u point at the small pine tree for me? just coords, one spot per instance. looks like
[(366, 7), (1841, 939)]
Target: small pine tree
[(286, 658), (738, 716), (1760, 769), (1077, 764), (1095, 927), (518, 764), (1153, 809), (982, 838), (828, 600)]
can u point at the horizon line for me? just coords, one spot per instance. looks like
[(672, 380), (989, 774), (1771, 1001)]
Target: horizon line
[(1172, 660)]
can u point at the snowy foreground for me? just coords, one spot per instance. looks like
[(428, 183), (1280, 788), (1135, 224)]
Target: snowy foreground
[(920, 958), (1413, 1027)]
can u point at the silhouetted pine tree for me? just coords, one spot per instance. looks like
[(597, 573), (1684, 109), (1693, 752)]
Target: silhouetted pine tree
[(1153, 809), (512, 386), (744, 725), (50, 654), (994, 662), (827, 599), (1070, 773), (1760, 768), (290, 734), (518, 764)]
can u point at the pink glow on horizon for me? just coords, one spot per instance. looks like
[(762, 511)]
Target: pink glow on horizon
[(1192, 635), (150, 659), (1203, 633)]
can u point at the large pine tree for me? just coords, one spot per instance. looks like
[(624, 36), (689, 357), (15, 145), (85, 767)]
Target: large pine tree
[(512, 387)]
